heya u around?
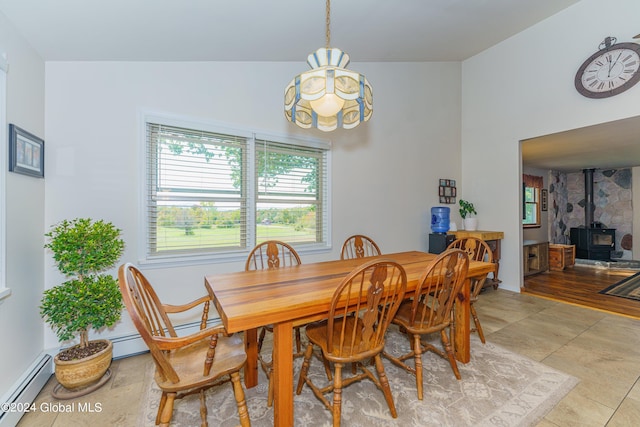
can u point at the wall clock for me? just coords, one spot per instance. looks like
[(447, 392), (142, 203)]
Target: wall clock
[(610, 71)]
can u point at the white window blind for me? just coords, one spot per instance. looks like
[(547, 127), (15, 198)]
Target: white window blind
[(196, 185), (291, 192), (211, 193)]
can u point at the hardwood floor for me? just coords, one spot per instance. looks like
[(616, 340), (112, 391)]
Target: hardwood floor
[(580, 285)]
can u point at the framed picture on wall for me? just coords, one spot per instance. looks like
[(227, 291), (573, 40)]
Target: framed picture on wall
[(447, 191), (26, 152), (543, 199)]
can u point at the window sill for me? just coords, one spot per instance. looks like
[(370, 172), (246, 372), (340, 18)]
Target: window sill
[(182, 261), (4, 293)]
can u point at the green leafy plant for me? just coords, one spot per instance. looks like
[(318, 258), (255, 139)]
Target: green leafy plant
[(466, 208), (83, 250)]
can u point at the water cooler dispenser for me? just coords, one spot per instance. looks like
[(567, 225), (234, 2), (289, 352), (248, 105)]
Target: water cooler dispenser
[(439, 239)]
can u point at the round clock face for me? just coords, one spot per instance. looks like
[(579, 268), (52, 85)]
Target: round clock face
[(610, 71)]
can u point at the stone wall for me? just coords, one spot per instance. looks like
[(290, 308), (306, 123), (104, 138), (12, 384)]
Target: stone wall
[(558, 200), (612, 197)]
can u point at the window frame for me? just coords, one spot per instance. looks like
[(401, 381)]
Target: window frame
[(253, 138), (4, 290), (537, 208), (536, 183)]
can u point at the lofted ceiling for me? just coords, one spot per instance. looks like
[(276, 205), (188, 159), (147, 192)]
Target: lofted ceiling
[(288, 30), (270, 30)]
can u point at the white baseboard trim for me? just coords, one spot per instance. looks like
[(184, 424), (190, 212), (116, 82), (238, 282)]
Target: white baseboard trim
[(132, 344), (25, 390)]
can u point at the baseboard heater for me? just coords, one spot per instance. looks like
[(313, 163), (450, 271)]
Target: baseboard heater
[(26, 389)]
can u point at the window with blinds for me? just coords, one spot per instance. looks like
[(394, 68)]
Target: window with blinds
[(223, 192), (291, 192)]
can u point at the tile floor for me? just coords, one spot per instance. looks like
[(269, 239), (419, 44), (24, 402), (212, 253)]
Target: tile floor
[(602, 350)]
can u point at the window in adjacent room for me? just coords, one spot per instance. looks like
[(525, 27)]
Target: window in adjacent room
[(531, 187), (214, 192)]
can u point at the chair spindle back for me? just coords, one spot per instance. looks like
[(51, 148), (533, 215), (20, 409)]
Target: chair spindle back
[(271, 254), (150, 316), (368, 298), (359, 246), (438, 287)]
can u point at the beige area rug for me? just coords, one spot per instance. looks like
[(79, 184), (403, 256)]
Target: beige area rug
[(498, 388)]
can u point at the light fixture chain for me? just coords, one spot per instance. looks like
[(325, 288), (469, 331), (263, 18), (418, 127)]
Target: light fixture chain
[(324, 97), (328, 24)]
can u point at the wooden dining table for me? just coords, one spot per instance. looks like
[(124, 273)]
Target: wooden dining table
[(293, 296)]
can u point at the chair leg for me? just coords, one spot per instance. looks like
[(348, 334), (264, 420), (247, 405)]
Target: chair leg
[(449, 350), (417, 357), (270, 392), (263, 332), (305, 368), (167, 410), (327, 369), (203, 410), (238, 392), (337, 395), (163, 401), (452, 324), (477, 323), (298, 342), (384, 382)]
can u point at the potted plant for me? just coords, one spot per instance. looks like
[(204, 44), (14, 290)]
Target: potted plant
[(466, 210), (83, 250)]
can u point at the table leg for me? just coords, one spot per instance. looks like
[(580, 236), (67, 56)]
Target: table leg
[(251, 367), (283, 374), (461, 344)]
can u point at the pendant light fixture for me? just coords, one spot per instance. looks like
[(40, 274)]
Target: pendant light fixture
[(328, 96)]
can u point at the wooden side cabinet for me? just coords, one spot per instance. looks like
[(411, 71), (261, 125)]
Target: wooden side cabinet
[(536, 257), (561, 256)]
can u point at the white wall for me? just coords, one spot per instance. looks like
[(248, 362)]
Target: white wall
[(20, 324), (385, 172), (523, 88), (635, 204)]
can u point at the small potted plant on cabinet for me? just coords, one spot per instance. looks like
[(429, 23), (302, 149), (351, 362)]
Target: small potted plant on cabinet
[(466, 210), (83, 250)]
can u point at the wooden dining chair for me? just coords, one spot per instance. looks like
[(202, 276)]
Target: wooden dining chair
[(268, 255), (361, 310), (271, 254), (478, 250), (359, 246), (429, 311), (188, 364)]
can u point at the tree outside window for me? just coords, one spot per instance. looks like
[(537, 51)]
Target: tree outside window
[(210, 192)]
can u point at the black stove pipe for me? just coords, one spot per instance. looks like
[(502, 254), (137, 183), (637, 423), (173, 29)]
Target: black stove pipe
[(589, 206)]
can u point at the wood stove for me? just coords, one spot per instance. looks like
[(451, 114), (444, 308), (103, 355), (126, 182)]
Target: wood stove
[(593, 243)]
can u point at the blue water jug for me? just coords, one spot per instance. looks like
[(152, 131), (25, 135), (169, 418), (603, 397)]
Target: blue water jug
[(440, 219)]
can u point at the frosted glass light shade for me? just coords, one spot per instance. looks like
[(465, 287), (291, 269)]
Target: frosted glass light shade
[(328, 96), (327, 105)]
